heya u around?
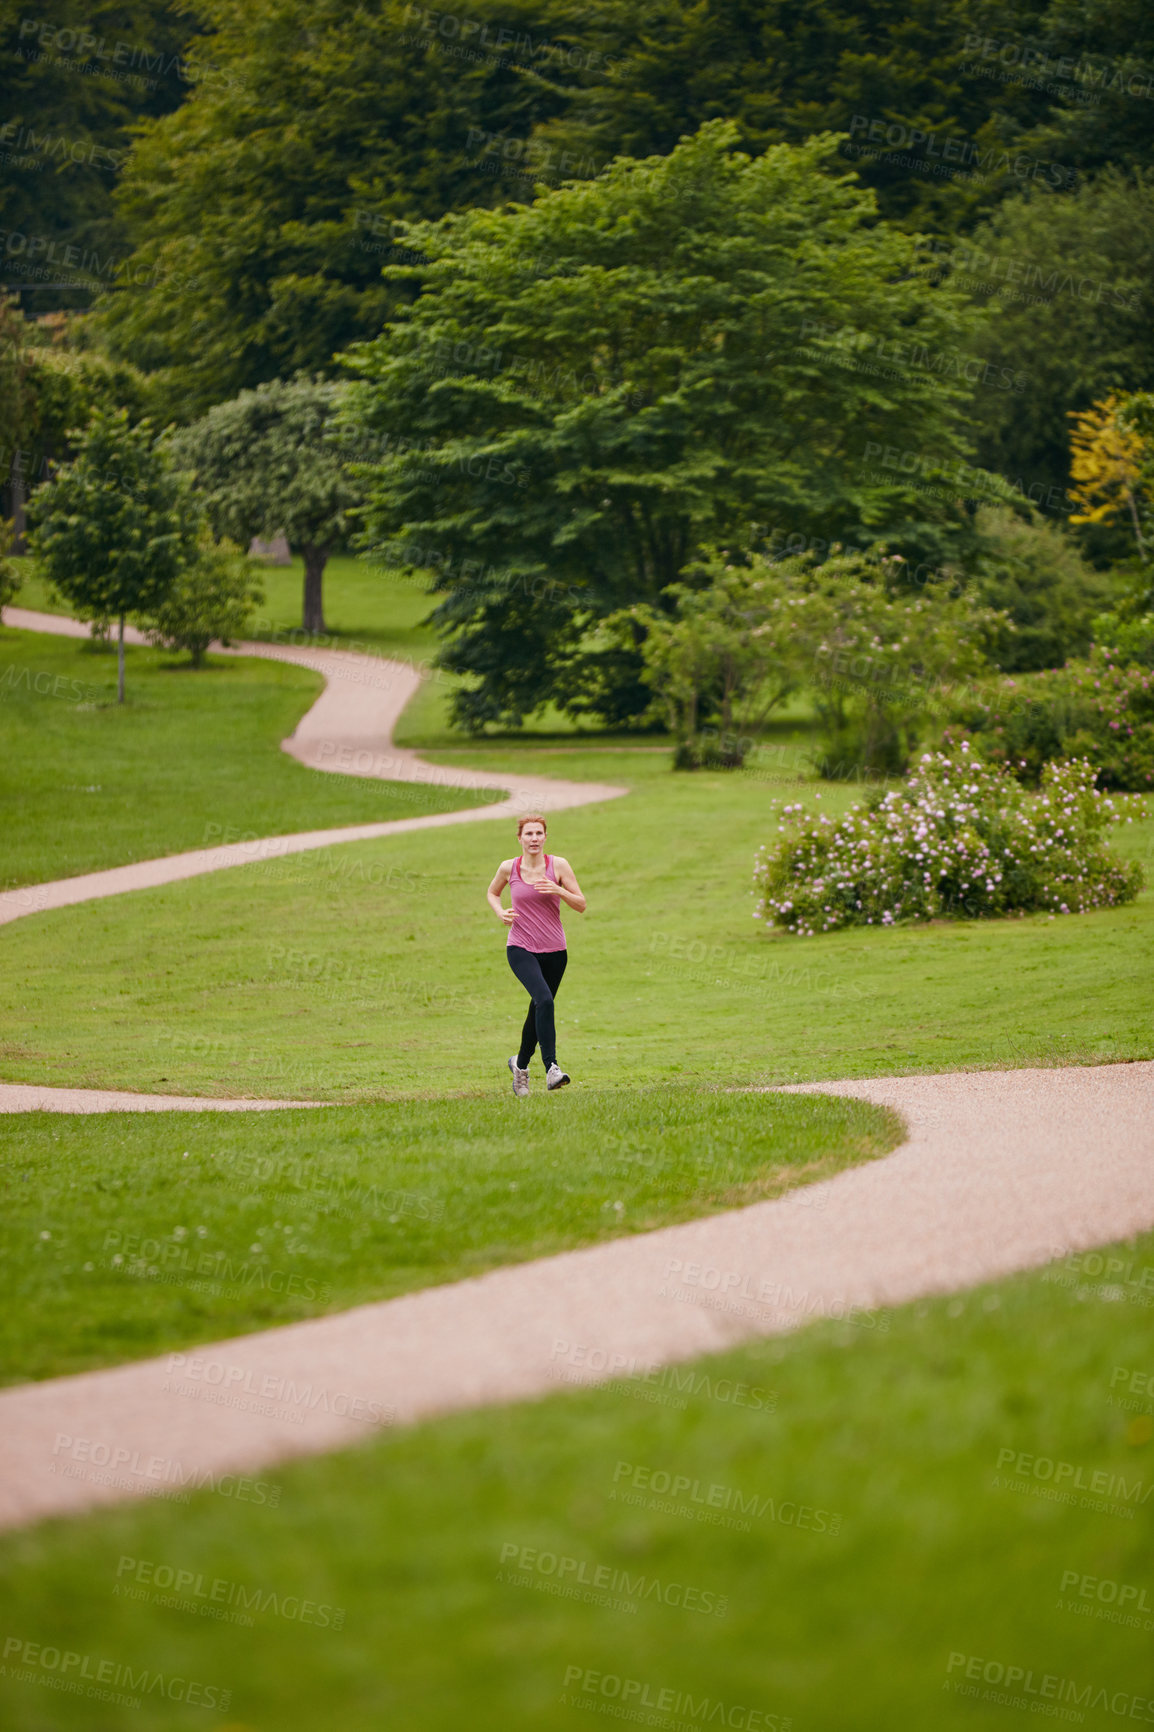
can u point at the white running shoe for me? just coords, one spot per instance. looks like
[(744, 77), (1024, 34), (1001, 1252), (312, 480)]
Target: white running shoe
[(555, 1077), (520, 1077)]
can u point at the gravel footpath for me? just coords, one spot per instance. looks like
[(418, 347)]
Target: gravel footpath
[(348, 731), (1002, 1170)]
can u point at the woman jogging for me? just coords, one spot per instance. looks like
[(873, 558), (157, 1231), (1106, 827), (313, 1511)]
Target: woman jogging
[(536, 943)]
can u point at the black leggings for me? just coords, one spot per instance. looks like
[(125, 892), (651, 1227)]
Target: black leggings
[(540, 974)]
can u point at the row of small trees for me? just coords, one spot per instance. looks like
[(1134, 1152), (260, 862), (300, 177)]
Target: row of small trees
[(149, 529)]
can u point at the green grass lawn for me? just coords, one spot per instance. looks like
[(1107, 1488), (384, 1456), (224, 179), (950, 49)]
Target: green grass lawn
[(382, 608), (377, 969), (193, 757), (877, 1542), (890, 1526), (122, 1237)]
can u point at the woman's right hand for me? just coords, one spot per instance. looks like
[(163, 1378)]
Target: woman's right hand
[(508, 916)]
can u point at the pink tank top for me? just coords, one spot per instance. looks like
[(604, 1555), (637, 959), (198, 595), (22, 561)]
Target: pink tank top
[(537, 919)]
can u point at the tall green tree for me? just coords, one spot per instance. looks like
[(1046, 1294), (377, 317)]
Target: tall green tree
[(267, 461), (590, 389), (948, 105), (77, 76), (1067, 281), (51, 380), (925, 126), (264, 207), (113, 530)]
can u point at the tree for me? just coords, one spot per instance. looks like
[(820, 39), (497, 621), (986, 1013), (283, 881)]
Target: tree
[(591, 389), (77, 75), (1066, 279), (263, 208), (919, 87), (269, 460), (114, 528), (10, 576), (722, 661), (1109, 456), (1033, 572), (51, 380), (210, 601), (878, 660)]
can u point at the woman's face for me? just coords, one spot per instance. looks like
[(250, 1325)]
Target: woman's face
[(533, 838)]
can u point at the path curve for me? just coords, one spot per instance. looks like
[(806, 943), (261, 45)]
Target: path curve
[(348, 731), (1002, 1171), (37, 1098)]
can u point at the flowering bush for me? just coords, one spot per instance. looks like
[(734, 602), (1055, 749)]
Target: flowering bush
[(962, 839), (1098, 709)]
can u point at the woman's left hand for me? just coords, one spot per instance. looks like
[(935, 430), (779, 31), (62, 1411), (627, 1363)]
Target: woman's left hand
[(546, 887)]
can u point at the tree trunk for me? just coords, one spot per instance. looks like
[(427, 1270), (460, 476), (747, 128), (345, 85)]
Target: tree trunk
[(120, 663), (315, 559)]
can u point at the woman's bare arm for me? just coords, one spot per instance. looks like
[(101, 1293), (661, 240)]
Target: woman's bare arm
[(493, 894)]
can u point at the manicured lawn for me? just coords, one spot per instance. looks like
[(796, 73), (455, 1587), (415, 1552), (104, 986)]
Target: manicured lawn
[(127, 1235), (380, 607), (191, 758), (377, 969), (892, 1547)]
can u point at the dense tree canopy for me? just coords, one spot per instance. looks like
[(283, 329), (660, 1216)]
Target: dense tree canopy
[(590, 388), (77, 75), (947, 105), (1067, 279), (266, 205)]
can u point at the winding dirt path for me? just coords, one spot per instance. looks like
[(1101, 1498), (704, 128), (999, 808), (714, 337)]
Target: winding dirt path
[(348, 732), (1001, 1171)]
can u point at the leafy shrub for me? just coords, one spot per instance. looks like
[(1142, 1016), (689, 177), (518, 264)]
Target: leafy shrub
[(961, 840), (1096, 709), (210, 600), (1129, 641), (1035, 574), (872, 654), (11, 576)]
